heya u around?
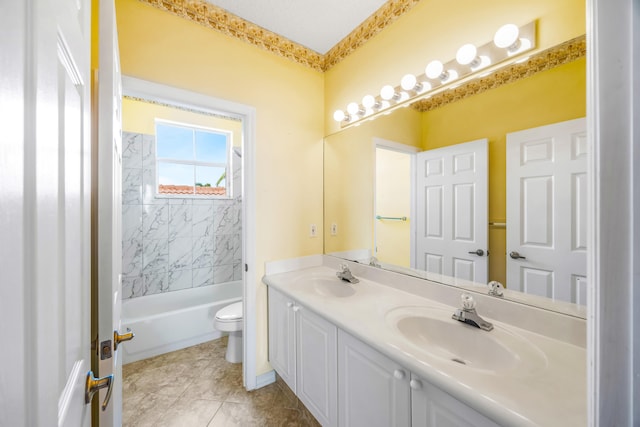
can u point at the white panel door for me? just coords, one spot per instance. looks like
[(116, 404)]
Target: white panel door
[(547, 211), (451, 211), (109, 210), (373, 390), (45, 195), (316, 365), (282, 351)]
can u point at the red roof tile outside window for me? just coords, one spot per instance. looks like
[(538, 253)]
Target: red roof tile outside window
[(187, 189)]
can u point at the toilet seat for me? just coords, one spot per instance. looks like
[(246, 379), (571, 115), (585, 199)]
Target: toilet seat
[(231, 313)]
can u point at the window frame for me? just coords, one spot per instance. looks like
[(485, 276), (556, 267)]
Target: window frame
[(226, 166)]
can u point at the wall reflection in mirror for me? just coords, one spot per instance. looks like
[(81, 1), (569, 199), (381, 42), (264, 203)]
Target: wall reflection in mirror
[(483, 187)]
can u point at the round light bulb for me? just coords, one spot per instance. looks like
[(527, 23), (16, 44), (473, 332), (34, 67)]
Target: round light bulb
[(452, 75), (426, 86), (506, 36), (387, 92), (353, 108), (368, 101), (466, 54), (339, 115), (408, 82), (434, 69)]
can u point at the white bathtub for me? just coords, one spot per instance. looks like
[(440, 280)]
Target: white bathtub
[(174, 320)]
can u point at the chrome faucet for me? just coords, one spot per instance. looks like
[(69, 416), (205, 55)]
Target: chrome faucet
[(467, 314), (345, 274)]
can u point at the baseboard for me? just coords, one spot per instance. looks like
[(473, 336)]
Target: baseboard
[(265, 379)]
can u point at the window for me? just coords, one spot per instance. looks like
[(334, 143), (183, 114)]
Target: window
[(192, 161)]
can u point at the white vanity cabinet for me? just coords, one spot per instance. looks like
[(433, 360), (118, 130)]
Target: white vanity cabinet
[(432, 407), (303, 350), (373, 390)]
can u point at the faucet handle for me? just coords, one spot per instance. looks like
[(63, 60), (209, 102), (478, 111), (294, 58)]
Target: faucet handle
[(468, 303), (495, 288)]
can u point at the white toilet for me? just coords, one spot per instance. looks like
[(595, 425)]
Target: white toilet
[(229, 319)]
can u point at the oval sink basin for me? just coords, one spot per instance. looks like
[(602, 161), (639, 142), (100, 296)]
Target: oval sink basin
[(326, 285), (499, 351), (332, 287)]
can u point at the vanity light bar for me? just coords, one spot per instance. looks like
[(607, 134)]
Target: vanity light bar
[(507, 46)]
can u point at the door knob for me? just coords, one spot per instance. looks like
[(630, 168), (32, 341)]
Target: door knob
[(478, 252), (94, 384), (117, 338), (516, 255)]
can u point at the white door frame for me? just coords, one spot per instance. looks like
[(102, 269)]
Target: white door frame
[(613, 261), (411, 150), (179, 97)]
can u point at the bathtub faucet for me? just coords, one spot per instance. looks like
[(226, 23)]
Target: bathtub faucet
[(345, 274)]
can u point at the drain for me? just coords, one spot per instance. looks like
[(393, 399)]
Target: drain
[(460, 361)]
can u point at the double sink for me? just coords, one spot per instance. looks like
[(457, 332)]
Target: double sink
[(431, 331)]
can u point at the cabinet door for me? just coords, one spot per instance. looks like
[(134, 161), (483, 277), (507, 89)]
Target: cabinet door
[(431, 407), (373, 390), (317, 373), (282, 349)]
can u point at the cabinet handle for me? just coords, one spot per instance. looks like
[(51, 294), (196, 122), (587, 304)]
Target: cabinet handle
[(415, 384), (289, 304), (398, 374), (296, 308)]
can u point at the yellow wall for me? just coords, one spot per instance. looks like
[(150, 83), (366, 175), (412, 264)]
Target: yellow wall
[(349, 175), (160, 47), (393, 199), (548, 97), (435, 29)]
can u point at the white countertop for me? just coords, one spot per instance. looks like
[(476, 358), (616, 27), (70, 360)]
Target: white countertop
[(552, 394)]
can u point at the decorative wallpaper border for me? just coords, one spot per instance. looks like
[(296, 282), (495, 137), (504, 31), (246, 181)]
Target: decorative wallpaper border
[(219, 19), (179, 107), (555, 56)]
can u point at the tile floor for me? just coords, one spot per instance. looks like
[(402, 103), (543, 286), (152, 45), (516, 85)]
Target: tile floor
[(197, 387)]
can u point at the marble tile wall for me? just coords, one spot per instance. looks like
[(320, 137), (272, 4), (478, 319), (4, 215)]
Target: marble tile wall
[(174, 243)]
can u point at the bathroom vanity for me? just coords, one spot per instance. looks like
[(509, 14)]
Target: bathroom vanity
[(385, 351)]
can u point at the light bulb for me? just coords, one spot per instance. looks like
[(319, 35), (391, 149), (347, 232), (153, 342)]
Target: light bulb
[(506, 36), (368, 102), (466, 54), (353, 108), (339, 115), (387, 92), (425, 86), (434, 69), (451, 75), (409, 82)]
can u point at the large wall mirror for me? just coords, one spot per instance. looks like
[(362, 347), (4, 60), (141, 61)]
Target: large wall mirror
[(373, 172)]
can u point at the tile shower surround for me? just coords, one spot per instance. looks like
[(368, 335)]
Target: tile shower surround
[(174, 243)]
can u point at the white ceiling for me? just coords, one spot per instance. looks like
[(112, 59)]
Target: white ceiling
[(316, 24)]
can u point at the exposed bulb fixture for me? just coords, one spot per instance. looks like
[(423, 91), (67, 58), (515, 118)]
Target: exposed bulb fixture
[(388, 93), (468, 55), (470, 60), (435, 70), (354, 109), (370, 103), (508, 37), (339, 116), (410, 83)]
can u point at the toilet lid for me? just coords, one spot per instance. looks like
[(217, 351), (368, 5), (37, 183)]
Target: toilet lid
[(230, 312)]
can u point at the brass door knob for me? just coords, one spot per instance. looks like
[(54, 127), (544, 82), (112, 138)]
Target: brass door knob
[(117, 338)]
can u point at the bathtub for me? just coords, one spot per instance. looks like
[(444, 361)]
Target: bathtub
[(174, 320)]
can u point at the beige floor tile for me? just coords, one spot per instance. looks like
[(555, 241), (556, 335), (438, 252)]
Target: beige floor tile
[(189, 413), (196, 387)]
